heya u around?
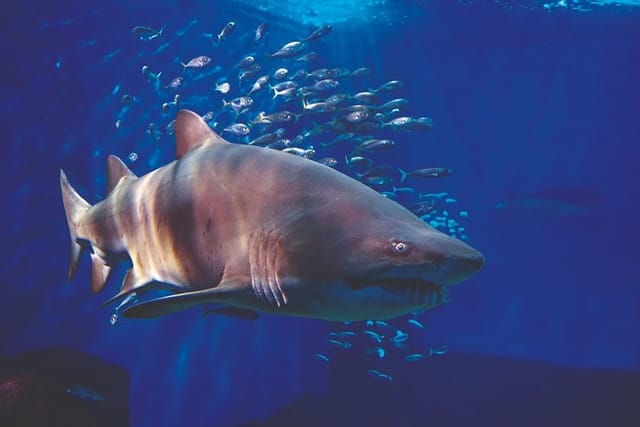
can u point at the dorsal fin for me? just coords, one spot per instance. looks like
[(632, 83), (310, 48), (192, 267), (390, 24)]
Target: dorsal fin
[(191, 132), (116, 169)]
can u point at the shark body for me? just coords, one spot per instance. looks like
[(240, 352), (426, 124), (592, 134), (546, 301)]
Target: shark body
[(258, 229)]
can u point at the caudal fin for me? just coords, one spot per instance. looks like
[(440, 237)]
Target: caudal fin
[(74, 206), (403, 175)]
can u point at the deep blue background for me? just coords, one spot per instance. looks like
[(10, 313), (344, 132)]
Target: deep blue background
[(524, 100)]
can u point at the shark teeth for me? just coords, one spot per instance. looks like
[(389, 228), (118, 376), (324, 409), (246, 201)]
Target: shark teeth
[(420, 292)]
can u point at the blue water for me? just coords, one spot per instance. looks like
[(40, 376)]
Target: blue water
[(535, 108)]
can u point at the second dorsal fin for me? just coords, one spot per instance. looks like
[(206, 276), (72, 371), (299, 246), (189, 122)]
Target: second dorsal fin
[(191, 132), (116, 170)]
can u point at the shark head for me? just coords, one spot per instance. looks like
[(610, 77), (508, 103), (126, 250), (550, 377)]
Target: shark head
[(372, 258)]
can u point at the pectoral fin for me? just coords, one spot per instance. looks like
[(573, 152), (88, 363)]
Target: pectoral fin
[(174, 303)]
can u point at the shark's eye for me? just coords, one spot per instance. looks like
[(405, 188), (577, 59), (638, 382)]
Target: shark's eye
[(400, 247)]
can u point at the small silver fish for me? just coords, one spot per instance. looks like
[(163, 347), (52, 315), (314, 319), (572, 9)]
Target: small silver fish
[(320, 32), (223, 87), (300, 74), (175, 83), (358, 161), (239, 103), (267, 138), (326, 84), (361, 72), (250, 71), (301, 152), (404, 190), (336, 99), (416, 323), (398, 122), (322, 357), (308, 57), (128, 99), (342, 334), (281, 74), (259, 84), (318, 107), (365, 97), (438, 351), (328, 161), (146, 33), (237, 129), (357, 117), (260, 32), (414, 357), (226, 31), (289, 50), (246, 61), (425, 173), (400, 337), (383, 324), (277, 117), (341, 344), (380, 375), (197, 62), (390, 85), (376, 336), (171, 128), (394, 103), (376, 145)]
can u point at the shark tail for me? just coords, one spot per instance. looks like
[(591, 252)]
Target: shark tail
[(75, 208)]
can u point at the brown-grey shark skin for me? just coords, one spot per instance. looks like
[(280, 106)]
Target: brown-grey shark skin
[(259, 229)]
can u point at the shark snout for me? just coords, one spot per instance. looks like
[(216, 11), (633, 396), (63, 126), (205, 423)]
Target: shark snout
[(455, 261)]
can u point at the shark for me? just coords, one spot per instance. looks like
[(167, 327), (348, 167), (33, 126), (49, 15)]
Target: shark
[(256, 229)]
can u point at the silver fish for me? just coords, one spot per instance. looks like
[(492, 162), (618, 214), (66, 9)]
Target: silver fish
[(260, 32), (425, 173), (308, 57), (223, 87), (197, 63), (175, 83), (394, 103), (146, 33), (376, 145), (361, 72), (250, 71), (281, 74), (237, 129), (289, 50), (239, 103), (226, 31), (259, 84), (380, 375), (318, 107), (246, 61), (341, 344), (390, 85), (320, 32), (414, 357), (416, 323), (365, 97), (322, 357)]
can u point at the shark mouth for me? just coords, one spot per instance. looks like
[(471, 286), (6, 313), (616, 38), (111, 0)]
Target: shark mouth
[(420, 292)]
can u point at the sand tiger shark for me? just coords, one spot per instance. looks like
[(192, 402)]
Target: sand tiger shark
[(256, 229)]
